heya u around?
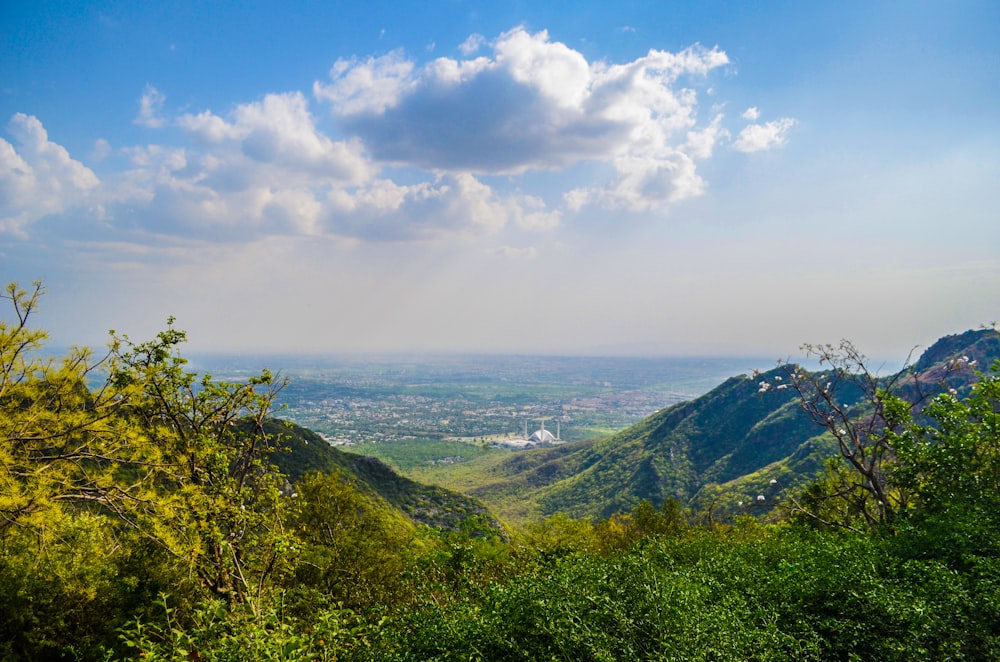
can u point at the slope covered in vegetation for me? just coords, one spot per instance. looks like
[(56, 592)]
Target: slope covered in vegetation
[(145, 518), (719, 449), (303, 451)]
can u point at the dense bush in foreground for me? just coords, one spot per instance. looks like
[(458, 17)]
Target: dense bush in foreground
[(750, 594)]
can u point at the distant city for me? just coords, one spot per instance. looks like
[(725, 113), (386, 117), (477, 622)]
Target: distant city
[(488, 399)]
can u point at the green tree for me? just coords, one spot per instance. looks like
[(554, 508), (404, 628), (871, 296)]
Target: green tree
[(178, 457), (353, 546), (860, 412), (830, 501), (60, 442), (949, 461), (201, 455), (623, 530)]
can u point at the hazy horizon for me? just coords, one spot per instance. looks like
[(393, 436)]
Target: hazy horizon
[(595, 179)]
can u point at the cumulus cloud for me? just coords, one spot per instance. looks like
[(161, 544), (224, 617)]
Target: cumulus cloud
[(417, 152), (150, 109), (453, 205), (534, 104), (700, 143), (208, 127), (38, 177), (157, 157), (531, 213), (644, 183), (760, 137), (266, 169), (263, 170), (472, 44), (279, 131), (367, 86)]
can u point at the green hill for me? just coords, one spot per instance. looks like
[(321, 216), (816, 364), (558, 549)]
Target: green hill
[(713, 452), (423, 504)]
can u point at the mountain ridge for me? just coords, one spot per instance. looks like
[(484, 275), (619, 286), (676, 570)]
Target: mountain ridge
[(716, 450)]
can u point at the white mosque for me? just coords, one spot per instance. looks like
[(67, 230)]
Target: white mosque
[(537, 438), (543, 436)]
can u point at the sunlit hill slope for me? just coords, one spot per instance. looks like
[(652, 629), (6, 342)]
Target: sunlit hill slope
[(712, 452)]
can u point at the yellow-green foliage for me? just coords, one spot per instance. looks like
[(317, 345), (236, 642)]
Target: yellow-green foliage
[(352, 546), (61, 441), (201, 453)]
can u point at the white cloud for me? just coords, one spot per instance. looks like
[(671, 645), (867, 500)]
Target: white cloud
[(700, 143), (218, 198), (264, 170), (273, 145), (751, 114), (207, 127), (759, 137), (555, 71), (415, 150), (472, 44), (101, 150), (38, 178), (150, 109), (279, 130), (531, 213), (535, 104), (453, 205), (369, 86), (157, 157), (643, 184)]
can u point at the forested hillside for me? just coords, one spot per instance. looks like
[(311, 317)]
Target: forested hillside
[(151, 512), (303, 451), (725, 447)]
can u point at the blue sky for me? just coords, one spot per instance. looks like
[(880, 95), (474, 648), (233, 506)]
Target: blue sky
[(714, 178)]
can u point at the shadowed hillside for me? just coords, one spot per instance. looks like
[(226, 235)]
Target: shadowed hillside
[(424, 504)]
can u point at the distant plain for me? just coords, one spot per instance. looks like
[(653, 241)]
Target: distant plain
[(439, 419)]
